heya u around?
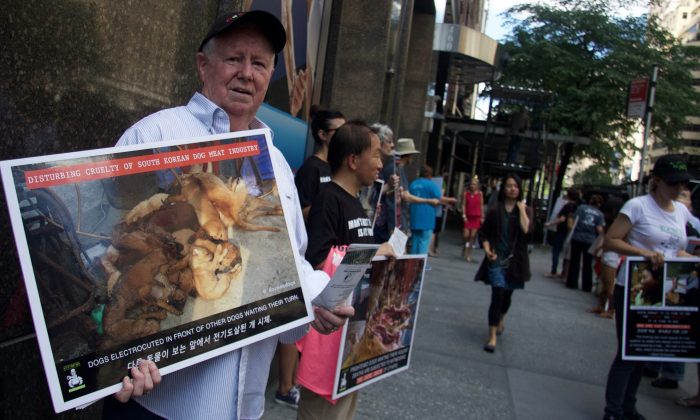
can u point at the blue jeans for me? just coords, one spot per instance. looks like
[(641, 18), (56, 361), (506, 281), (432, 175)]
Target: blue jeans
[(557, 245), (420, 241), (497, 276), (669, 370)]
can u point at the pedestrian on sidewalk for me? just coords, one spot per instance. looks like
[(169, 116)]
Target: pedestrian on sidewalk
[(650, 226), (609, 261), (667, 374), (384, 219), (423, 214), (589, 225), (694, 401), (506, 267), (440, 215), (472, 216), (562, 229)]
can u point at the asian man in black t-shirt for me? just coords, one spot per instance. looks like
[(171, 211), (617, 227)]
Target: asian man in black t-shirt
[(337, 218)]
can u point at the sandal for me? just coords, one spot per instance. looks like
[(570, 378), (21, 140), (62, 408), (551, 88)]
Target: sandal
[(608, 314), (692, 402)]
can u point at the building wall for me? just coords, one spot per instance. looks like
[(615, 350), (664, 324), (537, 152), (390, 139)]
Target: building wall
[(74, 75), (371, 77), (682, 19), (419, 72), (355, 69)]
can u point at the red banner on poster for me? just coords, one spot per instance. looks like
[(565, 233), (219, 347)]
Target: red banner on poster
[(59, 175)]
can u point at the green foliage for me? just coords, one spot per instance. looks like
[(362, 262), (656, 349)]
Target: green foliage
[(586, 56), (593, 175)]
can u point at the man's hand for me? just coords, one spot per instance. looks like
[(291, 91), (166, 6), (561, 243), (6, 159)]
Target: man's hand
[(386, 250), (491, 255), (143, 379), (395, 180), (327, 322)]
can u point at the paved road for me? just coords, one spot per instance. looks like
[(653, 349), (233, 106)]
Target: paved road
[(551, 362)]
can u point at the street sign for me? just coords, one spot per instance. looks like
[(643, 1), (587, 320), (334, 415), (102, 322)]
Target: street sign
[(637, 98)]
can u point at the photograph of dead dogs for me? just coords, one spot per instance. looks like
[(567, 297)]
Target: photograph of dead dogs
[(386, 306), (121, 258)]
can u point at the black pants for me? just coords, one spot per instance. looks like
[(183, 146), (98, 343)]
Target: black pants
[(114, 410), (624, 375), (579, 248), (500, 302)]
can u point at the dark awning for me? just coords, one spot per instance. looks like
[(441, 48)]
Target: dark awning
[(523, 96)]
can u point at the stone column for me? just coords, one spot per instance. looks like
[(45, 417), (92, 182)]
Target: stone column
[(419, 73), (354, 71)]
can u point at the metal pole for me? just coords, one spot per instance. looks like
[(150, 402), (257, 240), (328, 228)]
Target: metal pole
[(647, 126), (550, 201), (452, 161), (438, 160), (480, 149)]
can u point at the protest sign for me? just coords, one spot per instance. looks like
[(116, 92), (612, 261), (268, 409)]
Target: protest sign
[(152, 251), (348, 273), (661, 318), (377, 340)]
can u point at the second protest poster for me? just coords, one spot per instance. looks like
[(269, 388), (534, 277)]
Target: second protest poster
[(661, 315), (377, 340)]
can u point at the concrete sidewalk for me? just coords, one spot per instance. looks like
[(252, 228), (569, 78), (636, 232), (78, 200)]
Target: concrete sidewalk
[(551, 362)]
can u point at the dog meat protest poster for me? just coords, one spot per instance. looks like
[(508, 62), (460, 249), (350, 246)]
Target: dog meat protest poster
[(175, 253), (661, 319), (377, 340)]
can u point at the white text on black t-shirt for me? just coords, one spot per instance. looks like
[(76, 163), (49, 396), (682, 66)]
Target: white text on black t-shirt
[(363, 226)]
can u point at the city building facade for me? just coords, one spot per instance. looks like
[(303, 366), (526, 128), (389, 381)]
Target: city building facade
[(682, 19)]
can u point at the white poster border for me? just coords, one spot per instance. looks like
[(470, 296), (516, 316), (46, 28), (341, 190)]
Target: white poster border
[(337, 379), (626, 307), (60, 404)]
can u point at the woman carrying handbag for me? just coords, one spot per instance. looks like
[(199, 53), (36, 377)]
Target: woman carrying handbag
[(504, 240)]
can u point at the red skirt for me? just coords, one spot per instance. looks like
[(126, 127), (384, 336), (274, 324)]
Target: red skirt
[(472, 222)]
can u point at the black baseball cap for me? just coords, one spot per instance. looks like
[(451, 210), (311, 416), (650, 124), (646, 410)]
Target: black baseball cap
[(672, 169), (271, 27)]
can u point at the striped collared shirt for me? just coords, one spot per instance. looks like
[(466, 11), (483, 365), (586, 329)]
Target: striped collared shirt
[(232, 385)]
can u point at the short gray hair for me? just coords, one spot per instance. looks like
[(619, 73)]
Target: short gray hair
[(208, 47), (382, 131)]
